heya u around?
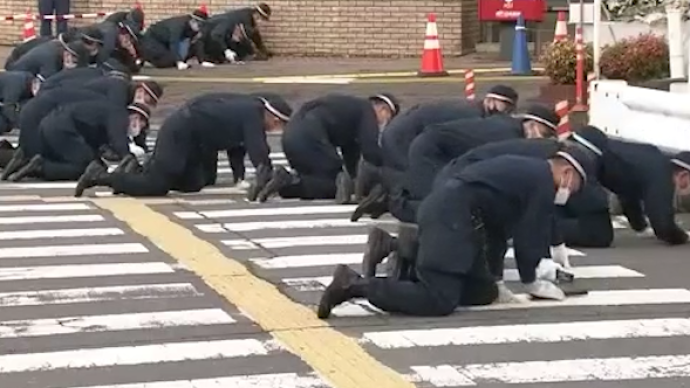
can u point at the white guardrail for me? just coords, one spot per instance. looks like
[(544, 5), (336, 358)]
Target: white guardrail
[(641, 115)]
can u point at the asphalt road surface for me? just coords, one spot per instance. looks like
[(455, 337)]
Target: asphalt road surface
[(87, 301)]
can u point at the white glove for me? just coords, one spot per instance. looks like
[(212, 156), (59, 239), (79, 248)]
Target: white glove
[(136, 150), (547, 268), (139, 62), (208, 64), (231, 56), (182, 66), (505, 296), (545, 290), (243, 185), (559, 254)]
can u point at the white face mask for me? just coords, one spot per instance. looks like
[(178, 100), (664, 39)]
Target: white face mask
[(562, 195)]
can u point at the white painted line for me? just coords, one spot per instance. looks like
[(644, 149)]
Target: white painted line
[(281, 211), (531, 333), (360, 307), (133, 355), (300, 261), (284, 380), (44, 207), (59, 233), (510, 253), (83, 271), (295, 80), (50, 219), (39, 185), (189, 215), (287, 242), (72, 250), (536, 372), (510, 275), (296, 224), (113, 322), (98, 294)]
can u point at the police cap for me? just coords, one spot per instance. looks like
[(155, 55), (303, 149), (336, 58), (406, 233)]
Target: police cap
[(591, 137), (277, 105), (682, 160), (388, 99), (503, 93), (541, 114)]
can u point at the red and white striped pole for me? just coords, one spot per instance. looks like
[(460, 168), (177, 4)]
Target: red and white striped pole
[(580, 71), (469, 85), (562, 110)]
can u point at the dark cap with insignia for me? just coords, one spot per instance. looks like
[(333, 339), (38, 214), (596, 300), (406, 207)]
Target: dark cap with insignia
[(503, 93), (276, 105), (153, 88), (264, 10), (92, 34), (582, 160), (542, 115), (141, 109), (199, 15), (389, 100), (682, 160), (591, 137)]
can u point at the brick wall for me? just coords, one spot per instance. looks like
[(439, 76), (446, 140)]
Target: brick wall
[(317, 27)]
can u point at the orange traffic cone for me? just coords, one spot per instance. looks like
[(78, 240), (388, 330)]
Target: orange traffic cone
[(561, 33), (432, 59), (29, 31)]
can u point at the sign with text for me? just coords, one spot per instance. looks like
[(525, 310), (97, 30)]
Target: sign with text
[(509, 10)]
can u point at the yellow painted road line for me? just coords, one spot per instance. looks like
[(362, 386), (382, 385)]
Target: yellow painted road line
[(335, 356)]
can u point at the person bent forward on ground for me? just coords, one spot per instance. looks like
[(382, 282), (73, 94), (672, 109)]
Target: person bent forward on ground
[(490, 202)]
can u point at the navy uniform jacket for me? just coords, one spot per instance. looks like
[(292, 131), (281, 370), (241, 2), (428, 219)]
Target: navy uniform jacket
[(15, 89), (116, 90), (348, 122), (246, 16), (98, 122), (170, 32), (641, 176), (472, 133), (224, 124), (39, 107), (71, 77), (44, 60), (111, 47), (404, 128), (24, 47), (218, 29), (514, 195)]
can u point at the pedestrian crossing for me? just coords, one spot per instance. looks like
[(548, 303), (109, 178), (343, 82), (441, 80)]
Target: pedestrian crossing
[(86, 303), (586, 339)]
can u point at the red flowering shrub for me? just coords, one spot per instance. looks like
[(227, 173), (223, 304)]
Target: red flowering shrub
[(560, 62), (641, 58)]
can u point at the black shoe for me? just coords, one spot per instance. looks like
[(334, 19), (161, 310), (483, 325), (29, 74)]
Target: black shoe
[(126, 165), (339, 291), (35, 166), (379, 246), (281, 178), (264, 175), (6, 145), (371, 204), (15, 164), (91, 177), (344, 188)]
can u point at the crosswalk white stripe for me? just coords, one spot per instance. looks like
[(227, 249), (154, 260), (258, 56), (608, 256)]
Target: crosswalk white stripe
[(98, 294), (72, 250), (302, 241), (529, 333), (293, 224), (360, 308), (50, 219), (281, 211), (112, 322), (510, 275), (284, 380), (60, 233), (83, 270), (44, 207), (560, 371), (133, 355), (299, 261), (38, 185)]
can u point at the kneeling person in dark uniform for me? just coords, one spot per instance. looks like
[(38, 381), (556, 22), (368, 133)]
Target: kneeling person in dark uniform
[(186, 150), (161, 42), (645, 180), (72, 137), (49, 58), (311, 141), (16, 87), (488, 203)]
